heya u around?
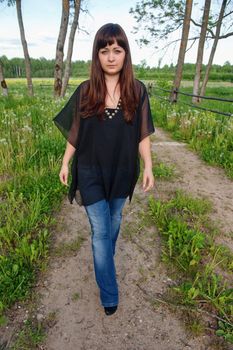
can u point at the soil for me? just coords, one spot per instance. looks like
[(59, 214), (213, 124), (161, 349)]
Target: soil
[(68, 297)]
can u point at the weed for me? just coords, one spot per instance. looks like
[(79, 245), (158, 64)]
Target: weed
[(180, 223), (30, 336), (75, 296), (163, 171), (66, 249)]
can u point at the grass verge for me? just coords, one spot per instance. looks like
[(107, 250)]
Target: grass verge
[(189, 251)]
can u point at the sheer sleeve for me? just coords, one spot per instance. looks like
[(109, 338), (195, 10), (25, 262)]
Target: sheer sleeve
[(147, 126), (68, 119)]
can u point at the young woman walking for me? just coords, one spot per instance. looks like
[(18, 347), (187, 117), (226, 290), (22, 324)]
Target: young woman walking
[(107, 123)]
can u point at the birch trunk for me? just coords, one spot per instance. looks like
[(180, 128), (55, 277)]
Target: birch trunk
[(60, 48), (70, 47), (183, 46), (196, 83), (25, 48), (3, 82), (215, 43)]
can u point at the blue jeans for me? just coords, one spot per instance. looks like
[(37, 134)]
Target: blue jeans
[(105, 220)]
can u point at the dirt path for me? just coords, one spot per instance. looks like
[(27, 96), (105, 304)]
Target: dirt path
[(69, 297), (137, 324), (200, 179)]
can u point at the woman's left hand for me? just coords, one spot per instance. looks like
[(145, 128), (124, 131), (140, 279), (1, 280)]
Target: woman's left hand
[(148, 179)]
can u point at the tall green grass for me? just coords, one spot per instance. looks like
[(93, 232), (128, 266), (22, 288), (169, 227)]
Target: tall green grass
[(31, 149), (211, 135), (187, 247)]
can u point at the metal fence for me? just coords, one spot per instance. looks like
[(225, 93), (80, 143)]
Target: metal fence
[(177, 92)]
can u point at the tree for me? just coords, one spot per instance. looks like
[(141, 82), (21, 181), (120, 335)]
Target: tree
[(200, 51), (2, 81), (160, 19), (213, 49), (60, 47), (23, 41), (183, 46), (70, 47)]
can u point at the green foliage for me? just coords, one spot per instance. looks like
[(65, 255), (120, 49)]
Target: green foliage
[(31, 336), (183, 242), (211, 135), (181, 221), (44, 68), (163, 171), (30, 150), (225, 331), (222, 256), (161, 18)]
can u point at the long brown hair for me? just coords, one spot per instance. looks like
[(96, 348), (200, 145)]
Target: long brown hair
[(94, 101)]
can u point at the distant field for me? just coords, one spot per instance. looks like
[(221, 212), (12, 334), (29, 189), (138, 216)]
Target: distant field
[(184, 83), (188, 83)]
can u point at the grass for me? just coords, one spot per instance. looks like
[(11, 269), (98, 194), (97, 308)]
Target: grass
[(211, 135), (30, 336), (31, 149), (160, 170), (67, 249), (188, 249)]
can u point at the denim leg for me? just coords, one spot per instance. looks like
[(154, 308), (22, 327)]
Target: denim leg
[(100, 221), (116, 206)]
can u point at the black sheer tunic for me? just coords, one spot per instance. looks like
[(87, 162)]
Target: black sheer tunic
[(106, 161)]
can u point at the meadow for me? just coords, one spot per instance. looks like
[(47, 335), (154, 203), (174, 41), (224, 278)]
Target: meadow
[(210, 134), (31, 150)]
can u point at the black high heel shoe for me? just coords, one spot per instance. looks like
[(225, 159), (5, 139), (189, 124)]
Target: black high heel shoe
[(109, 310)]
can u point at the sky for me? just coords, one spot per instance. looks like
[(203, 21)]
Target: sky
[(42, 22)]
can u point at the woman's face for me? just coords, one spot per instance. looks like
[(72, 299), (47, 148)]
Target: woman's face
[(112, 58)]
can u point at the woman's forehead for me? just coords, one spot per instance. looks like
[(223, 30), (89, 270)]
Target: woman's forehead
[(109, 42), (114, 44)]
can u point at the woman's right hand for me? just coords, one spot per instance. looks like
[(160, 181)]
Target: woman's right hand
[(63, 175)]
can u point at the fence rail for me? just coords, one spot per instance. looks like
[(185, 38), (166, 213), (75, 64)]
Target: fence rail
[(213, 98), (50, 85)]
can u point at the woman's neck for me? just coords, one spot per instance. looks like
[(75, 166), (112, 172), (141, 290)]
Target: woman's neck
[(113, 90), (112, 79)]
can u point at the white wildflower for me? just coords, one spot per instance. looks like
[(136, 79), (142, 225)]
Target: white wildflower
[(27, 128), (3, 141)]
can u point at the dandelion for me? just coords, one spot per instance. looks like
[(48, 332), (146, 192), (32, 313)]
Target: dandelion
[(27, 128), (3, 141)]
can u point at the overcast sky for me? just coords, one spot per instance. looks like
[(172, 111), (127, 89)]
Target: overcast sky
[(42, 21)]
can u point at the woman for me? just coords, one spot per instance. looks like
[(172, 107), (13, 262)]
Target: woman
[(106, 122)]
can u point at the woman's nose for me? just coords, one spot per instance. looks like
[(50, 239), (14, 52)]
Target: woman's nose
[(111, 56)]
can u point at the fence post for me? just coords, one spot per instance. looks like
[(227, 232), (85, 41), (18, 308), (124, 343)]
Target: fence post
[(174, 95)]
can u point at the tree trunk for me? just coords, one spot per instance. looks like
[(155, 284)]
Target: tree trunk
[(3, 82), (25, 48), (215, 43), (200, 51), (60, 48), (183, 45), (70, 47)]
